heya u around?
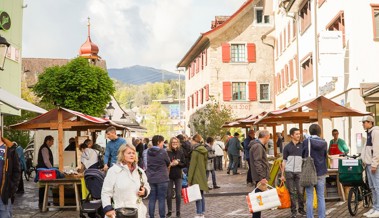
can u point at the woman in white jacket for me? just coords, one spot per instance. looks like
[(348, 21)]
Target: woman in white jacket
[(126, 183)]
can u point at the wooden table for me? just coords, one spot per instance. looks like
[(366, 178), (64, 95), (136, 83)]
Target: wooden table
[(58, 182)]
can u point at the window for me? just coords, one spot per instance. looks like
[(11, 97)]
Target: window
[(238, 53), (239, 91), (260, 17), (338, 24), (307, 70), (375, 20), (305, 16), (264, 92)]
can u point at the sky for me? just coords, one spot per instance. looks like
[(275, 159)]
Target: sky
[(154, 33)]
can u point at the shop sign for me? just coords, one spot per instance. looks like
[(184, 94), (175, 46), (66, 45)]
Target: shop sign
[(5, 20)]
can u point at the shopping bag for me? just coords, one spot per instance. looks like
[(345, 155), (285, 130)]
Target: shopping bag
[(191, 193), (263, 200), (314, 198), (284, 196)]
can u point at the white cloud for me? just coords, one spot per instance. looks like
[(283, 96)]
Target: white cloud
[(154, 33)]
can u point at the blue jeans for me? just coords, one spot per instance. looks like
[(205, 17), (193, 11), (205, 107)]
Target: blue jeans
[(6, 210), (200, 204), (213, 176), (373, 181), (320, 188), (158, 192)]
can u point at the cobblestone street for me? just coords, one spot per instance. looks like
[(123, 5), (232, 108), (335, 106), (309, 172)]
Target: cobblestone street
[(228, 201)]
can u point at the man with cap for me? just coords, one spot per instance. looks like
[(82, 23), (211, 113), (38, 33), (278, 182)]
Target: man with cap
[(370, 156), (234, 147)]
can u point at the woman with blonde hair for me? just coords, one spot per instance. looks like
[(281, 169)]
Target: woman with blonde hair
[(125, 183), (197, 171), (176, 157)]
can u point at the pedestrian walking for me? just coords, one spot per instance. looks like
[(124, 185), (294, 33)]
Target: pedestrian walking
[(247, 145), (111, 149), (319, 154), (175, 154), (157, 175), (125, 184), (196, 172), (210, 165), (20, 154), (260, 169), (234, 147), (291, 169), (219, 147), (370, 156)]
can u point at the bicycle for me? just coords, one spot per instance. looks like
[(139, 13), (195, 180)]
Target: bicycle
[(351, 174), (28, 154)]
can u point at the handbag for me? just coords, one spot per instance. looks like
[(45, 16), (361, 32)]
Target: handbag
[(308, 175), (191, 193), (284, 196), (126, 212), (259, 201)]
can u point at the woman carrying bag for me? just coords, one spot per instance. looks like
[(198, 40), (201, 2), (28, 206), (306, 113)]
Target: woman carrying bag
[(126, 184)]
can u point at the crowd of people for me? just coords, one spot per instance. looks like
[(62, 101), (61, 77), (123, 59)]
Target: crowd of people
[(155, 168)]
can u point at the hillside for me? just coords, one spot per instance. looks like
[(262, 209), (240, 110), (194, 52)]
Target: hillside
[(138, 75)]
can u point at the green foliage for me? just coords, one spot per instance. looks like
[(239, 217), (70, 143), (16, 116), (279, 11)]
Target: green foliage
[(77, 85), (208, 121), (130, 96), (21, 137), (156, 120)]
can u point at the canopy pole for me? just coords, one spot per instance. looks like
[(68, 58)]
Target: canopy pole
[(60, 151), (319, 115), (275, 138)]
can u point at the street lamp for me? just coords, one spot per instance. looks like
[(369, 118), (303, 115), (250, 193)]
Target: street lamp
[(4, 45), (110, 110)]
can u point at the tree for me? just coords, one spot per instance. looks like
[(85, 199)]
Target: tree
[(77, 85), (156, 120), (208, 121)]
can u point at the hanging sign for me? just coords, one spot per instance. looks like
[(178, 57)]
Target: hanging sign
[(5, 20)]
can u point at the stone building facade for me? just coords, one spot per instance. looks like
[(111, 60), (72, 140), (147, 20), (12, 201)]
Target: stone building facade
[(231, 64)]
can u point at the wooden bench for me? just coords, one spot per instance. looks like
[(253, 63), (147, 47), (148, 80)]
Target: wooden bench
[(57, 182)]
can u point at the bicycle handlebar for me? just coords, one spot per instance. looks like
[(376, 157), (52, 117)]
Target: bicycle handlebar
[(355, 156)]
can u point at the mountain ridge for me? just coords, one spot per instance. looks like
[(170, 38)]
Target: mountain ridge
[(138, 75)]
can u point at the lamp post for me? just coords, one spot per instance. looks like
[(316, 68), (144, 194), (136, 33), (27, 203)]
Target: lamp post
[(4, 45), (110, 110)]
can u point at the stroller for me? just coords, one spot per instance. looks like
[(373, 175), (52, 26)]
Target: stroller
[(91, 206)]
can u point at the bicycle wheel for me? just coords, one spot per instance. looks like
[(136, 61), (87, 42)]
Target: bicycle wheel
[(352, 201)]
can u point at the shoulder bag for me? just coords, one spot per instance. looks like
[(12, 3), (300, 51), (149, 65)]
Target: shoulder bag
[(308, 170)]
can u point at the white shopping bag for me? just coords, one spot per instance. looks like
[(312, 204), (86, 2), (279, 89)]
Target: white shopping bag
[(191, 193), (263, 200)]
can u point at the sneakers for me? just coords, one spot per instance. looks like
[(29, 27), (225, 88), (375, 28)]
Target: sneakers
[(302, 212), (216, 187), (375, 213), (168, 215), (369, 212), (210, 188), (177, 214)]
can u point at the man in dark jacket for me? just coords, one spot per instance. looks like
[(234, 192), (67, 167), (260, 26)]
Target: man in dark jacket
[(10, 171), (247, 145), (260, 169), (234, 147), (319, 154)]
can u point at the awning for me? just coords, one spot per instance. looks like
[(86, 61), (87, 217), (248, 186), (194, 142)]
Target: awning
[(19, 103)]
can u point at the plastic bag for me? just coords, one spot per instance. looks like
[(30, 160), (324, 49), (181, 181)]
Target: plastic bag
[(284, 196)]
